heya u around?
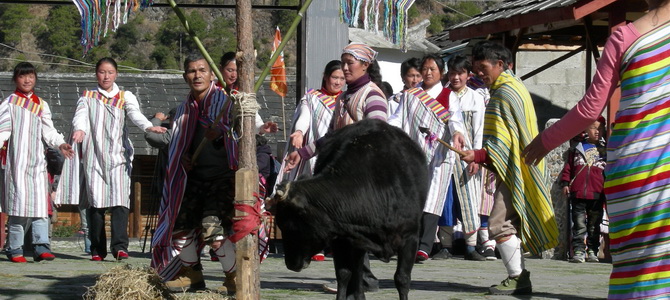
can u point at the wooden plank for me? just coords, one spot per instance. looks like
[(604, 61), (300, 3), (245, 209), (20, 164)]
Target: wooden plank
[(3, 233), (585, 8), (513, 22), (137, 211)]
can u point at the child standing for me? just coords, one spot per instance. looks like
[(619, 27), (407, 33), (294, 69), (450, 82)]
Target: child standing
[(25, 122), (582, 180)]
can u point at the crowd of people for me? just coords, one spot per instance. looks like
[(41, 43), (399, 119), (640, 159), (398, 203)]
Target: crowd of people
[(474, 120)]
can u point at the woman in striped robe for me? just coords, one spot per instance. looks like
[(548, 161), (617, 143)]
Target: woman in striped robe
[(429, 106), (25, 125), (637, 184), (311, 120), (313, 116), (99, 124)]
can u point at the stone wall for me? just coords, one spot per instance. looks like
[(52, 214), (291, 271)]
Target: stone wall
[(155, 93), (555, 161)]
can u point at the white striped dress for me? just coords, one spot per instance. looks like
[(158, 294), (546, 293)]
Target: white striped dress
[(25, 124), (106, 151), (415, 111), (312, 117)]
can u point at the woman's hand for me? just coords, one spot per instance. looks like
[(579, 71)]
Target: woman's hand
[(473, 168), (292, 160), (297, 139), (78, 136), (534, 152), (157, 129), (458, 140)]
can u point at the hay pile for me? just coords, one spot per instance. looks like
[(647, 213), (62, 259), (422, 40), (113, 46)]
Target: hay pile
[(127, 282)]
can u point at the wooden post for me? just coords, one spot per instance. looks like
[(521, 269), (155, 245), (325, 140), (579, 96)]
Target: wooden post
[(246, 178), (3, 234), (137, 211)]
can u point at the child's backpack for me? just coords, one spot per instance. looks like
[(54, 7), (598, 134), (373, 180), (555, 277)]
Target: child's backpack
[(275, 168)]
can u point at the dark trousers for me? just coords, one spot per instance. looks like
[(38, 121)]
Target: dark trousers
[(586, 218), (97, 232), (428, 230)]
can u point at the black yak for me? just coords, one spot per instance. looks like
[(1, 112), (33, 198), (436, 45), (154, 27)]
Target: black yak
[(367, 194)]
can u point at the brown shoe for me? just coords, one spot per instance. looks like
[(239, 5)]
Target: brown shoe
[(229, 284), (188, 279)]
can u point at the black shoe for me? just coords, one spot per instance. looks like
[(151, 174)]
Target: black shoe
[(489, 254), (474, 255), (442, 254)]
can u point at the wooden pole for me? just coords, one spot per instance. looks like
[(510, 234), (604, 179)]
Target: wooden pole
[(246, 181), (137, 211)]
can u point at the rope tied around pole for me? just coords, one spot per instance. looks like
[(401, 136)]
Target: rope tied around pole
[(245, 106)]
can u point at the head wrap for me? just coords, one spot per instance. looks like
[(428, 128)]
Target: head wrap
[(360, 51)]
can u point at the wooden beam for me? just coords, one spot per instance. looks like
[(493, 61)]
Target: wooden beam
[(585, 8), (553, 63), (513, 22)]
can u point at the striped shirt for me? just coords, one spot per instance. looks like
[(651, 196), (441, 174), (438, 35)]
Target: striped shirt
[(362, 100), (24, 125)]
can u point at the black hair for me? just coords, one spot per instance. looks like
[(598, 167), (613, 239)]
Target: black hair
[(375, 73), (108, 60), (331, 67), (226, 58), (459, 63), (24, 68), (412, 63), (195, 56), (437, 59), (491, 51), (387, 89)]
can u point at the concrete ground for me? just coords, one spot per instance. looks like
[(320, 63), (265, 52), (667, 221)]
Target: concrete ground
[(72, 272)]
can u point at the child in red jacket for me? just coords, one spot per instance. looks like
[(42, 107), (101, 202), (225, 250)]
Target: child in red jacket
[(582, 180)]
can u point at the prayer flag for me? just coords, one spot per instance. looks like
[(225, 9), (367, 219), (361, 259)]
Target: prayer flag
[(278, 77)]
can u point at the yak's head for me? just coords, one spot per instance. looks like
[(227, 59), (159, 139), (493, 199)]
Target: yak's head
[(302, 234)]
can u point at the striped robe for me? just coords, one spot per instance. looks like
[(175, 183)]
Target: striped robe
[(510, 125), (469, 188), (317, 108), (106, 153), (25, 124), (637, 175), (164, 254), (418, 109)]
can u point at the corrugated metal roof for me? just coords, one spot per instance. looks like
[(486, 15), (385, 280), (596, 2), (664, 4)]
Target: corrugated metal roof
[(511, 8)]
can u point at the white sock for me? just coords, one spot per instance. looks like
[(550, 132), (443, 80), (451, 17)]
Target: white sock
[(510, 252), (226, 254), (471, 239), (189, 250)]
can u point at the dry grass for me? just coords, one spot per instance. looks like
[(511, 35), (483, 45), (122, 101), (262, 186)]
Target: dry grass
[(128, 282)]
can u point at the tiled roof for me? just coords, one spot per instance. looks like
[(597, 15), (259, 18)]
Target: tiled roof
[(155, 93)]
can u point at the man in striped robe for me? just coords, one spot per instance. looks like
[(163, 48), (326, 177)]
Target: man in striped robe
[(197, 204), (522, 204)]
